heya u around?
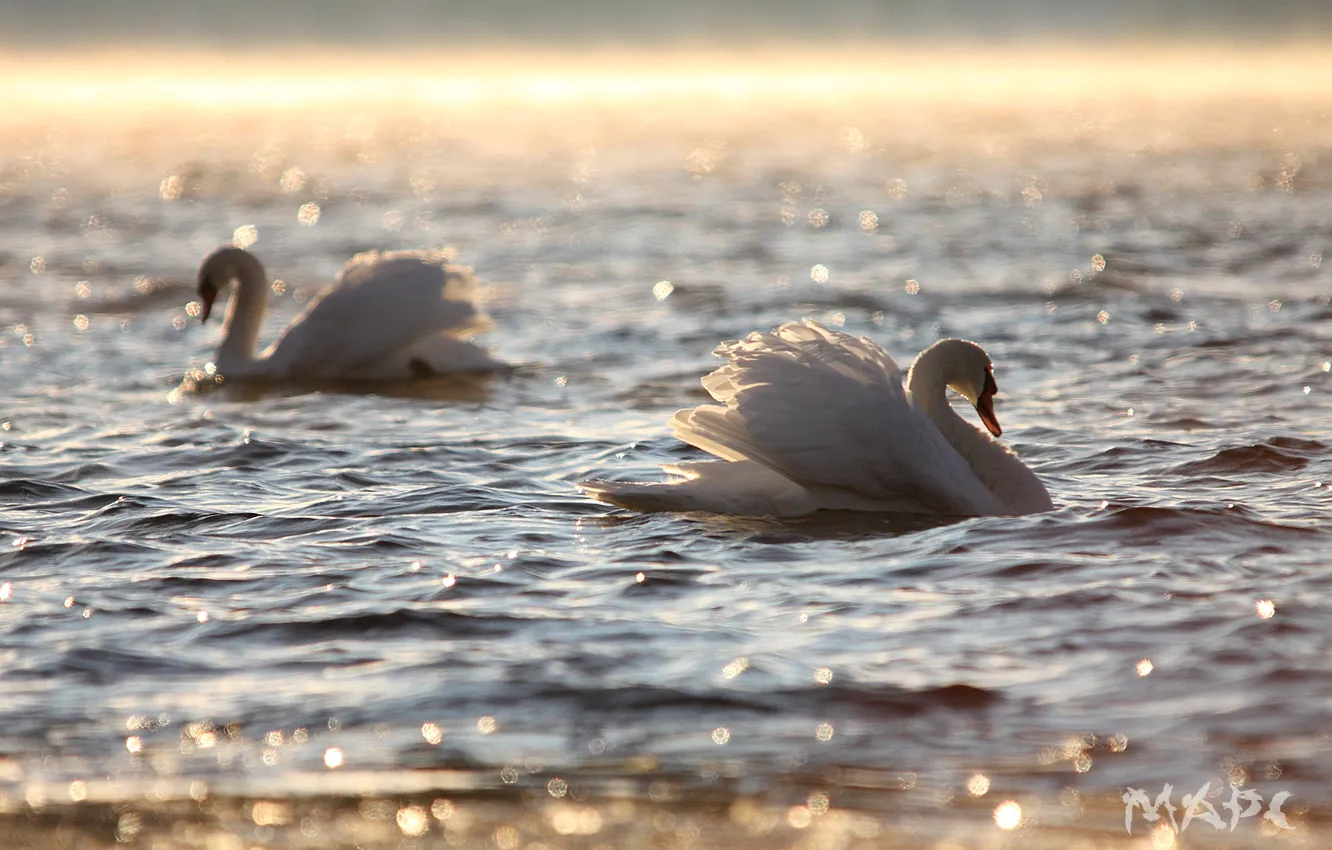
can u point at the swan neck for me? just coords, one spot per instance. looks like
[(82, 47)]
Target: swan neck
[(928, 384), (1015, 486), (245, 314), (932, 400)]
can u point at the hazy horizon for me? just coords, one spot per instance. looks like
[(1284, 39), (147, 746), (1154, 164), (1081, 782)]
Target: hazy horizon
[(194, 23)]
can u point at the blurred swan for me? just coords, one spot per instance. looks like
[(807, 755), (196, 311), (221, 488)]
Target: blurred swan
[(815, 419), (389, 316)]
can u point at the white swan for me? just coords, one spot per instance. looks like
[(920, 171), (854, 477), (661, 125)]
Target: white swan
[(389, 316), (816, 419)]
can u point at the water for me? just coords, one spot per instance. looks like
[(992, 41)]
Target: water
[(399, 598)]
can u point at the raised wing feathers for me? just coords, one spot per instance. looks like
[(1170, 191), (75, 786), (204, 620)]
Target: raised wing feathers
[(828, 409), (381, 304)]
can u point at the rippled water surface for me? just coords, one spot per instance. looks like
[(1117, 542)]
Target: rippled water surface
[(278, 591)]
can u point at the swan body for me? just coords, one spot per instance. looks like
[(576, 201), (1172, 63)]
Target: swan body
[(389, 316), (810, 419)]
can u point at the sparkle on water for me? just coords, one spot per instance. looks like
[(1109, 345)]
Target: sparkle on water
[(337, 618)]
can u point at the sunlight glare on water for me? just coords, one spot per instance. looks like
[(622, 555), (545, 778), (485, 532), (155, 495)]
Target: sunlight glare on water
[(380, 617)]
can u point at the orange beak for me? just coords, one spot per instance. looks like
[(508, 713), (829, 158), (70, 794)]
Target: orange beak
[(985, 405)]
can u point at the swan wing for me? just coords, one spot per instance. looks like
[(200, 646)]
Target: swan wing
[(828, 410), (381, 305)]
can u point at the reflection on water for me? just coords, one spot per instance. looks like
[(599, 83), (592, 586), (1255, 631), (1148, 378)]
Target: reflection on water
[(463, 387), (320, 615)]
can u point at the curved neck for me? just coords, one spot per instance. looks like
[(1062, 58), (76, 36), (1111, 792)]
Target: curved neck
[(927, 386), (245, 313), (1001, 471)]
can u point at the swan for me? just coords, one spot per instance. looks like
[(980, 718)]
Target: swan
[(393, 315), (811, 418)]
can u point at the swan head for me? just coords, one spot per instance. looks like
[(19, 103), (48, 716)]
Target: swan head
[(965, 367), (219, 269)]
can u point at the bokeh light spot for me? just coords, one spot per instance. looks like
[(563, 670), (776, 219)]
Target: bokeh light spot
[(245, 236), (799, 817), (1008, 815), (413, 820)]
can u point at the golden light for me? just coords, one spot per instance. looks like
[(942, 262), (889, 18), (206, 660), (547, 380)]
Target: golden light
[(799, 817), (978, 785), (818, 803), (1163, 837), (333, 758), (270, 813), (432, 733), (292, 180), (1265, 608), (1008, 815), (1144, 667), (735, 668), (413, 820), (507, 838), (245, 236)]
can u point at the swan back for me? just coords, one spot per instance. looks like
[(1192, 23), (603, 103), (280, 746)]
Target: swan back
[(383, 304)]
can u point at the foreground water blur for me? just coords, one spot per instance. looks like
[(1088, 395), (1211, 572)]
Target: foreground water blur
[(301, 616)]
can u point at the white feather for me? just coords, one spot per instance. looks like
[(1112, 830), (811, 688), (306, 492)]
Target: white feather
[(811, 418), (389, 316)]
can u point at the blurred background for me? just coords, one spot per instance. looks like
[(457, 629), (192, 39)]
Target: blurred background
[(288, 617), (579, 22)]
